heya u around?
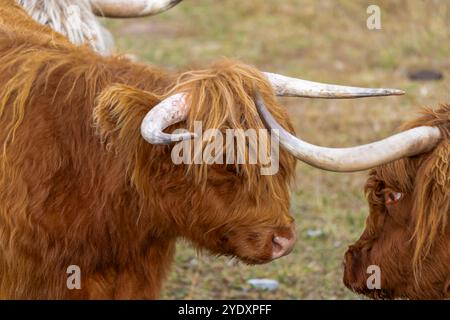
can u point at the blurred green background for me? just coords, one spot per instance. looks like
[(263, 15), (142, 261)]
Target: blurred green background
[(320, 40)]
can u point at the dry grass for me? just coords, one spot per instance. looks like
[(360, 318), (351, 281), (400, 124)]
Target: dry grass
[(318, 40)]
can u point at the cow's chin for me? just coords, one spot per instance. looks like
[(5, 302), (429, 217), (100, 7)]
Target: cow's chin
[(254, 260), (355, 277), (377, 294)]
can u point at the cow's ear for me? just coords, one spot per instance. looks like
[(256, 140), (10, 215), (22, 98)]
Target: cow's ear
[(118, 114)]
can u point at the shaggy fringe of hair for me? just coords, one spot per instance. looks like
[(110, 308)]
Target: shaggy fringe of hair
[(73, 19), (427, 179), (221, 97)]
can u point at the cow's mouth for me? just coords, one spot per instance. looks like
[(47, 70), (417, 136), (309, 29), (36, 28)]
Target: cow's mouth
[(254, 260), (362, 289), (359, 286), (355, 277)]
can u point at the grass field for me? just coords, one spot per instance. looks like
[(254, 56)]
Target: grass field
[(318, 40)]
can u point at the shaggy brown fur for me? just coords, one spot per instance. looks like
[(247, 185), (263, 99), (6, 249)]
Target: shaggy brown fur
[(80, 186), (410, 239)]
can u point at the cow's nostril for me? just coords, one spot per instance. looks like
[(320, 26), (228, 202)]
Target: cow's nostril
[(279, 242), (282, 246)]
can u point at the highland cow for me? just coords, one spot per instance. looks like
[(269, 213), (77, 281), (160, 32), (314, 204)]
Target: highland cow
[(407, 233), (86, 175)]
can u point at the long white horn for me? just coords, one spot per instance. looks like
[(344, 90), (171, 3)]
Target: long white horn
[(131, 8), (292, 87), (174, 109), (168, 112), (407, 143)]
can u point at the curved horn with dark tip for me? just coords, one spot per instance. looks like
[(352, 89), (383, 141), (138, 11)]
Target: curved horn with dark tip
[(404, 144), (168, 112), (292, 87), (131, 8)]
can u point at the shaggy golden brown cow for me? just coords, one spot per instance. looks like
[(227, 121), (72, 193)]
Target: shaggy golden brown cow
[(407, 233), (87, 182), (80, 186)]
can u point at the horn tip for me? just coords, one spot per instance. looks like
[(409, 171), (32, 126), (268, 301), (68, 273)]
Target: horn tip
[(397, 92)]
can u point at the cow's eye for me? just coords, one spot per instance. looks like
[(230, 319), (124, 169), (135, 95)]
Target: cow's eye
[(391, 197)]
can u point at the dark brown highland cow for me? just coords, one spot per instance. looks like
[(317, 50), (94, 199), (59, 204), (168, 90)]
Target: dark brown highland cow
[(86, 175), (408, 230)]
